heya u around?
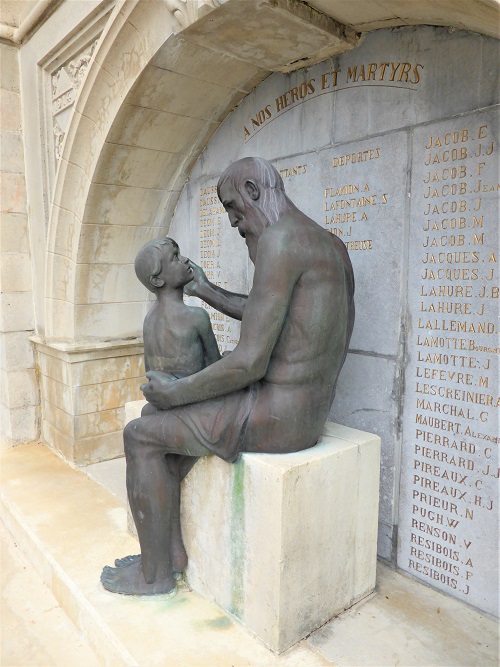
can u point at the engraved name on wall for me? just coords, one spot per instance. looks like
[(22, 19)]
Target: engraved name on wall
[(449, 503)]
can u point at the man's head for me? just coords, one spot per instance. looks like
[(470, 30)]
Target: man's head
[(159, 263), (252, 192)]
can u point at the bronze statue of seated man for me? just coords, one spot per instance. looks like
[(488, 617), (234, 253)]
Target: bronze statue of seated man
[(271, 394)]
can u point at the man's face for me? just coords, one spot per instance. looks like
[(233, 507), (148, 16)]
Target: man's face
[(175, 269), (243, 213)]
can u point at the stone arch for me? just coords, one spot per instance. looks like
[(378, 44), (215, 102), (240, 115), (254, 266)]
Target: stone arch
[(148, 105), (163, 77)]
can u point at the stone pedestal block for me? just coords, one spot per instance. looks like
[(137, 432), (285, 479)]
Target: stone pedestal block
[(285, 542)]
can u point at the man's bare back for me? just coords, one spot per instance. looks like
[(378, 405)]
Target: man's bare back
[(298, 387)]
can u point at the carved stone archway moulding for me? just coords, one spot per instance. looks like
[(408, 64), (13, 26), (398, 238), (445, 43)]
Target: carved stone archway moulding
[(162, 78)]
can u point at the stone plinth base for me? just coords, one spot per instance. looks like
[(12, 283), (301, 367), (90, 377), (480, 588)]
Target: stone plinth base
[(84, 388), (284, 542)]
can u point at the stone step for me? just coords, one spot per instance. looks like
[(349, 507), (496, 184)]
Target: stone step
[(69, 526), (34, 628)]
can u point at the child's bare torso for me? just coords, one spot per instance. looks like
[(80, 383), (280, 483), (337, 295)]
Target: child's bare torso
[(172, 341)]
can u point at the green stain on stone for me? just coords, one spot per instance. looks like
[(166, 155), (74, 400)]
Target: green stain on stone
[(219, 623), (178, 599), (237, 537)]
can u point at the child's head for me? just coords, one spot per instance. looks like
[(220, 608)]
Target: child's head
[(158, 263)]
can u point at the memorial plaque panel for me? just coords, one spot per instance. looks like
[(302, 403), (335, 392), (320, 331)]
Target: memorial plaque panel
[(369, 381), (412, 75), (449, 491), (340, 189), (394, 79), (185, 227)]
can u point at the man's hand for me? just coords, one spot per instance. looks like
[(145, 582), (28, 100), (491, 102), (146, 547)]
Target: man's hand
[(157, 390), (226, 302), (199, 280)]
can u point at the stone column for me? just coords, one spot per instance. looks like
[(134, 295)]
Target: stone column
[(19, 396)]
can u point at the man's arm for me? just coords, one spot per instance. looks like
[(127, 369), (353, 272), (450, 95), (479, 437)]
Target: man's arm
[(226, 302), (276, 273)]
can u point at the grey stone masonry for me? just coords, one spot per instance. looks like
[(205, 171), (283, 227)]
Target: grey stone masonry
[(393, 146)]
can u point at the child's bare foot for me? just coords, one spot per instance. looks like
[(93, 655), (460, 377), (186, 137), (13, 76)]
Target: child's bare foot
[(129, 580)]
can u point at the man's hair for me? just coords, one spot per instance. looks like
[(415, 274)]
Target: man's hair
[(272, 191), (147, 263), (254, 168)]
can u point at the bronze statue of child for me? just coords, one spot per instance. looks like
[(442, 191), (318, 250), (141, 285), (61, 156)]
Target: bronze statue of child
[(178, 341)]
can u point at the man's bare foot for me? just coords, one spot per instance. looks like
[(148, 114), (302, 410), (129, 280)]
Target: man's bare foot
[(179, 562), (130, 581), (178, 556), (127, 560)]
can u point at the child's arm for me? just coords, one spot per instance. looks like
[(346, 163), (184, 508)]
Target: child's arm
[(210, 347)]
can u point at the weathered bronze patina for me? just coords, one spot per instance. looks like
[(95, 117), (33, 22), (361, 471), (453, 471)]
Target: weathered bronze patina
[(272, 393)]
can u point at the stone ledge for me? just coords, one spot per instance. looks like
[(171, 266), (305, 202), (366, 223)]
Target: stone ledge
[(69, 527), (85, 386), (278, 35)]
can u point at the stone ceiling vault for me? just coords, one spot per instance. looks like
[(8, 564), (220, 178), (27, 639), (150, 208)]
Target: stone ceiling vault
[(366, 15)]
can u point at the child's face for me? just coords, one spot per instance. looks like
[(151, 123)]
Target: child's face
[(175, 269)]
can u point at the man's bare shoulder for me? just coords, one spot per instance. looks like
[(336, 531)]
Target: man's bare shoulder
[(297, 231), (277, 245), (301, 246)]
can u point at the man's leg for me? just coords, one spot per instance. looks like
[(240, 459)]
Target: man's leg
[(153, 486), (183, 464), (151, 483)]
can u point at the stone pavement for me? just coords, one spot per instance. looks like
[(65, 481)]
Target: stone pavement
[(70, 526), (34, 631)]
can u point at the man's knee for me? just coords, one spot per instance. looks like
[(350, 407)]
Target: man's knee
[(132, 436), (148, 409), (141, 437)]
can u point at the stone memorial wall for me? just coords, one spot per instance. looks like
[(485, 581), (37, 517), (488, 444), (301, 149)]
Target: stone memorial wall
[(211, 212), (393, 147), (449, 489)]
